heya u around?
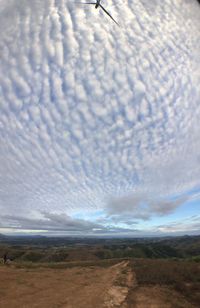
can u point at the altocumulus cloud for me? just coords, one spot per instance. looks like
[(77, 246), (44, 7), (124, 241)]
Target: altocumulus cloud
[(91, 112)]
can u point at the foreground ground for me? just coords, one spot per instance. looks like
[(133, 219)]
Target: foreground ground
[(124, 284)]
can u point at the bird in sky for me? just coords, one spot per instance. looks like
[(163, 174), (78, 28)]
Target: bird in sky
[(98, 4)]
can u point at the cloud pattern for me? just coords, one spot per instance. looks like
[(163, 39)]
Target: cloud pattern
[(91, 111), (62, 223)]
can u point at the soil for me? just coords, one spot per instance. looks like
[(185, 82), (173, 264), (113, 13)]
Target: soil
[(81, 287), (71, 288)]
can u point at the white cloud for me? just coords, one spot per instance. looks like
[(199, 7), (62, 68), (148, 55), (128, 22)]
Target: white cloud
[(188, 225), (91, 110)]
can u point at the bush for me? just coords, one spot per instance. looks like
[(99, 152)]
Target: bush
[(32, 256)]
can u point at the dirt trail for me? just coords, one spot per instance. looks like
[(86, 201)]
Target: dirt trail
[(77, 287), (80, 287), (116, 295), (126, 293)]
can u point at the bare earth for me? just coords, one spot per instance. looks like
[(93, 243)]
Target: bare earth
[(81, 287)]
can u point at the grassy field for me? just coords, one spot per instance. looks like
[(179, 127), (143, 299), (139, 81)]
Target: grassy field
[(182, 276), (65, 265)]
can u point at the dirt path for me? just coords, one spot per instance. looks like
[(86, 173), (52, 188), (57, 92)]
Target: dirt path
[(77, 287), (80, 287), (116, 295)]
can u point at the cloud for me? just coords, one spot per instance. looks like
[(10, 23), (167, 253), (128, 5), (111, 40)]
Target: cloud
[(189, 225), (141, 207), (48, 222), (58, 223), (90, 110)]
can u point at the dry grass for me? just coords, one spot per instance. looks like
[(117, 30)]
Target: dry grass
[(182, 276), (65, 265)]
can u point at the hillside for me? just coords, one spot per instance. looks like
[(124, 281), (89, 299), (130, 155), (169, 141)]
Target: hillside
[(139, 283), (41, 249), (78, 273)]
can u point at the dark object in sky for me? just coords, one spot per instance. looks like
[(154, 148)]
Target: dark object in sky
[(97, 4)]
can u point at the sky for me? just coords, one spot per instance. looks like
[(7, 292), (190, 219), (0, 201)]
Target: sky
[(99, 123)]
